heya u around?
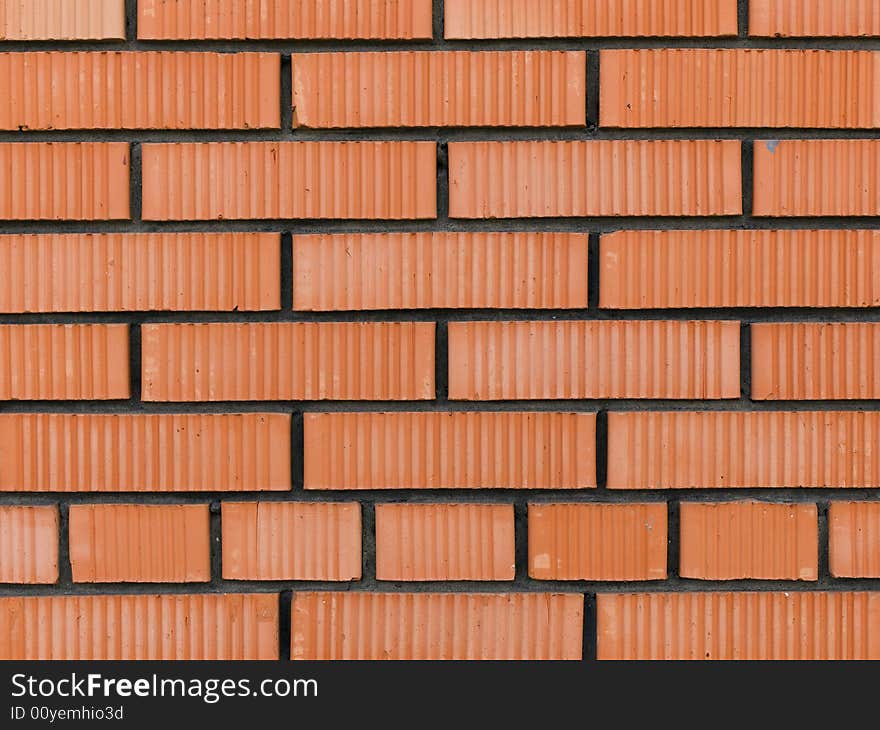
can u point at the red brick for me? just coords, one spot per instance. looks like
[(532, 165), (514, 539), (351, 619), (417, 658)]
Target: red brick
[(62, 20), (288, 361), (710, 268), (436, 626), (48, 452), (449, 450), (440, 89), (732, 450), (686, 87), (445, 542), (596, 359), (140, 90), (140, 543), (251, 180), (358, 271), (582, 18), (122, 272), (813, 18), (291, 541), (597, 541), (854, 539), (124, 627), (735, 540), (64, 361), (809, 361), (595, 178), (817, 177), (790, 625), (64, 180), (28, 544), (282, 19)]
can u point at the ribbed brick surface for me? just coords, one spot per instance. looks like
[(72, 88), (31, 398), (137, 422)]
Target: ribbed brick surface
[(530, 19), (135, 543), (143, 90), (28, 544), (122, 272), (449, 450), (302, 19), (783, 268), (441, 270), (790, 625), (719, 450), (70, 362), (604, 178), (436, 626), (736, 540), (288, 361), (739, 88), (291, 541), (522, 360), (45, 452), (440, 89), (439, 319), (444, 542), (597, 541), (126, 627)]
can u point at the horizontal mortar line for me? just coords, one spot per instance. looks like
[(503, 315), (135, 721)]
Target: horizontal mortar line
[(558, 43), (743, 315), (671, 585), (623, 405), (519, 133), (482, 495), (584, 225)]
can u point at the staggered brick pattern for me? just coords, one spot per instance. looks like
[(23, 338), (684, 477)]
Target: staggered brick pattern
[(464, 329)]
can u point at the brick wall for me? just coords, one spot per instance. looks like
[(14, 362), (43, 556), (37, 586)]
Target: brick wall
[(473, 329)]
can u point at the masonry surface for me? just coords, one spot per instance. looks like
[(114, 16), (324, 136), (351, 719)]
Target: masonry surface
[(336, 329)]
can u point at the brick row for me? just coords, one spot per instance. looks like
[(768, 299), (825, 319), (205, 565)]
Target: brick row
[(42, 452)]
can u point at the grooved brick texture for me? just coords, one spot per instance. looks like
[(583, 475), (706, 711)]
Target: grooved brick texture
[(473, 329), (440, 89)]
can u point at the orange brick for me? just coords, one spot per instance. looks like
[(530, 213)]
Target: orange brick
[(734, 540), (140, 90), (597, 541), (445, 542), (597, 359), (291, 541), (280, 19), (64, 361), (594, 178), (790, 625), (440, 89), (436, 626), (449, 450), (854, 539), (813, 18), (441, 270), (139, 543), (582, 18), (728, 450), (815, 361), (250, 180), (64, 180), (818, 177), (28, 544), (738, 88), (47, 452), (793, 268), (205, 627), (124, 272), (288, 361), (62, 20)]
